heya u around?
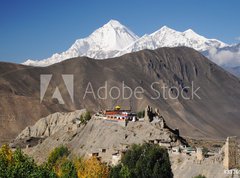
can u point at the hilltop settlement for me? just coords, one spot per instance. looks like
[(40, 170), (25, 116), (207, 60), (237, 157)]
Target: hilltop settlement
[(108, 134)]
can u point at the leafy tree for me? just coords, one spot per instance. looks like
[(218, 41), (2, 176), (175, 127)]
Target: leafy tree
[(56, 154), (91, 167), (124, 172), (43, 172), (18, 165), (6, 158), (68, 170), (115, 171), (64, 168), (22, 166), (143, 161), (6, 153)]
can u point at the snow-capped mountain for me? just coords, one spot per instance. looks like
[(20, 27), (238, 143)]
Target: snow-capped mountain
[(103, 43), (114, 39), (167, 37)]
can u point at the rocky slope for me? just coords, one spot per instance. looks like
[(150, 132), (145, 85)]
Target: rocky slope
[(215, 115), (100, 134), (20, 105), (51, 124), (107, 138)]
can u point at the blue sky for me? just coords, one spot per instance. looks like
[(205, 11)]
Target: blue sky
[(37, 29)]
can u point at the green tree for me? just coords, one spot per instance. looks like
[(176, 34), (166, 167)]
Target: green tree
[(22, 165), (5, 154), (124, 172), (143, 161), (19, 165), (65, 168), (43, 172), (68, 170), (115, 171), (56, 154)]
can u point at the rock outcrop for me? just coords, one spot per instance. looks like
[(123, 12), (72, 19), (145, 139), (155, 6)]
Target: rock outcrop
[(49, 125), (99, 134)]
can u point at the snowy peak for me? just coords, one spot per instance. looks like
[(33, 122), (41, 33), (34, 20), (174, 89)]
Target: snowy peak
[(167, 37), (165, 29), (114, 24), (112, 36), (103, 43), (114, 39), (192, 35), (162, 31), (191, 32)]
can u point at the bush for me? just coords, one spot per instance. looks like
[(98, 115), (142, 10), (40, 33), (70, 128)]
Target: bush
[(205, 151), (143, 161), (85, 118), (141, 114)]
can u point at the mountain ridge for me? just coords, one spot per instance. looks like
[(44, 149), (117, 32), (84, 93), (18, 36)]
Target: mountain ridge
[(114, 39), (173, 67)]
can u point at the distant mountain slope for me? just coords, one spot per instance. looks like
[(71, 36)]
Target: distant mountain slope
[(227, 57), (19, 103), (215, 115), (234, 70)]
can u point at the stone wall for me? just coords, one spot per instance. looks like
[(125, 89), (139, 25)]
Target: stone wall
[(230, 160)]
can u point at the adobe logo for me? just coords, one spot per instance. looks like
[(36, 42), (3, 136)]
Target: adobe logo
[(45, 80)]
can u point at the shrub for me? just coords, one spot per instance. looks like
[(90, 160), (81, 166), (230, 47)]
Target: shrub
[(205, 151), (141, 114), (85, 118)]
